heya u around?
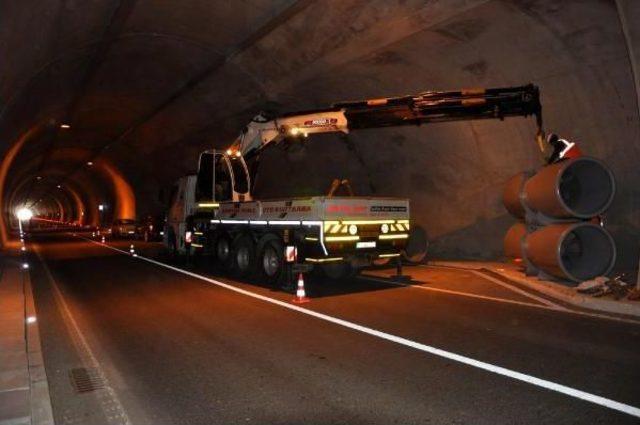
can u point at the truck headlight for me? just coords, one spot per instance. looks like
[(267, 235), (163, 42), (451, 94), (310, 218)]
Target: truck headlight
[(384, 228), (353, 229)]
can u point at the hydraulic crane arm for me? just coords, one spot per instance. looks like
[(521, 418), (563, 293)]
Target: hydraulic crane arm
[(427, 107)]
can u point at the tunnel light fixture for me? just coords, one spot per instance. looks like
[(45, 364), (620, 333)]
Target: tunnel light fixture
[(25, 266), (39, 178), (101, 207), (89, 163), (59, 186), (24, 214), (31, 319), (65, 126)]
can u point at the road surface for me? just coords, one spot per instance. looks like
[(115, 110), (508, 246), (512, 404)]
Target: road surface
[(126, 340)]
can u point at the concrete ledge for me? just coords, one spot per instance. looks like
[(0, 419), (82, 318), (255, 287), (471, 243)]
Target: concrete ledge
[(554, 290), (40, 401), (24, 390)]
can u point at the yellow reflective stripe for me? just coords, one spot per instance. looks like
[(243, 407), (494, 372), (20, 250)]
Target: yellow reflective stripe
[(397, 236), (323, 260), (368, 221), (341, 238), (335, 228), (328, 224)]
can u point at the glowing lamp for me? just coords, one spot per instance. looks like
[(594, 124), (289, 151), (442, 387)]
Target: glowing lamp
[(24, 214)]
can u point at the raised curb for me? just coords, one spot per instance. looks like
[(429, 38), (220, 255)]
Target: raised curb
[(554, 290), (40, 401)]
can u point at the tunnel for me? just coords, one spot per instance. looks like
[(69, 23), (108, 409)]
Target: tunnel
[(142, 86), (106, 104)]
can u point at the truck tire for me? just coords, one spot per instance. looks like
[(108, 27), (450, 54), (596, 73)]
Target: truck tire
[(223, 252), (244, 256), (270, 259)]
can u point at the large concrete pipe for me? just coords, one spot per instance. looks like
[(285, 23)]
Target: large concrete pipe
[(511, 195), (582, 187), (574, 251), (513, 240)]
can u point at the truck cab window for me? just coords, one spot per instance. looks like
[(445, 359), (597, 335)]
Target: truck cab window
[(223, 180), (240, 174), (204, 184)]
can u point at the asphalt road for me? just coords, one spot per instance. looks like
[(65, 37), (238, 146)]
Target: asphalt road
[(166, 347)]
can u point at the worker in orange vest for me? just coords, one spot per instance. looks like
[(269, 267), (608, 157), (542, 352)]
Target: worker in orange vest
[(561, 149)]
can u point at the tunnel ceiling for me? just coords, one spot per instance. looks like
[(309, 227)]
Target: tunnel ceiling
[(147, 84)]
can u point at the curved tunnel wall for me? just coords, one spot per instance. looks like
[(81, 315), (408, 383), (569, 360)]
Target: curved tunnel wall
[(583, 55), (454, 173)]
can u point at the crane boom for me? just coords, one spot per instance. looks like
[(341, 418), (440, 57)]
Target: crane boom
[(426, 107)]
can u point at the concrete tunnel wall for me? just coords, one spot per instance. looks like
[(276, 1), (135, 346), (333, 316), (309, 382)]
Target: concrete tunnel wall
[(159, 84), (454, 173)]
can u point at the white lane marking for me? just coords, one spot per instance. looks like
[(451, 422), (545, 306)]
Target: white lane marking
[(499, 370), (111, 405), (518, 290), (451, 292), (561, 309), (504, 285), (8, 390)]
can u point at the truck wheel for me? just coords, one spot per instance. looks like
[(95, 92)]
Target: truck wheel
[(223, 251), (244, 256), (270, 259)]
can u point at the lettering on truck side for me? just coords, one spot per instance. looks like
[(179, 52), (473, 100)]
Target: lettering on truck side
[(226, 210), (299, 208), (386, 208), (347, 209)]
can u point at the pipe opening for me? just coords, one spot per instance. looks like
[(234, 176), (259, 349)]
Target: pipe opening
[(586, 251), (586, 187)]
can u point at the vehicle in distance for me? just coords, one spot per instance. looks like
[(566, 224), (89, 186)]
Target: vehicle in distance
[(123, 228), (150, 228)]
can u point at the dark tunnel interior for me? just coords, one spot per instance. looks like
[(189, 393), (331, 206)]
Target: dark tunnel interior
[(108, 102)]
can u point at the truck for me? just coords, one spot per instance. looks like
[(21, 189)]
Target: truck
[(342, 234)]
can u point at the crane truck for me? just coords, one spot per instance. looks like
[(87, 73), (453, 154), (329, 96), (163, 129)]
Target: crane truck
[(340, 233)]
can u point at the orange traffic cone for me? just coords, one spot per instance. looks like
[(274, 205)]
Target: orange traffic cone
[(301, 296)]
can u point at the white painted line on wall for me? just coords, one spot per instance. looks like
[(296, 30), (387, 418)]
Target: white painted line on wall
[(522, 377)]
